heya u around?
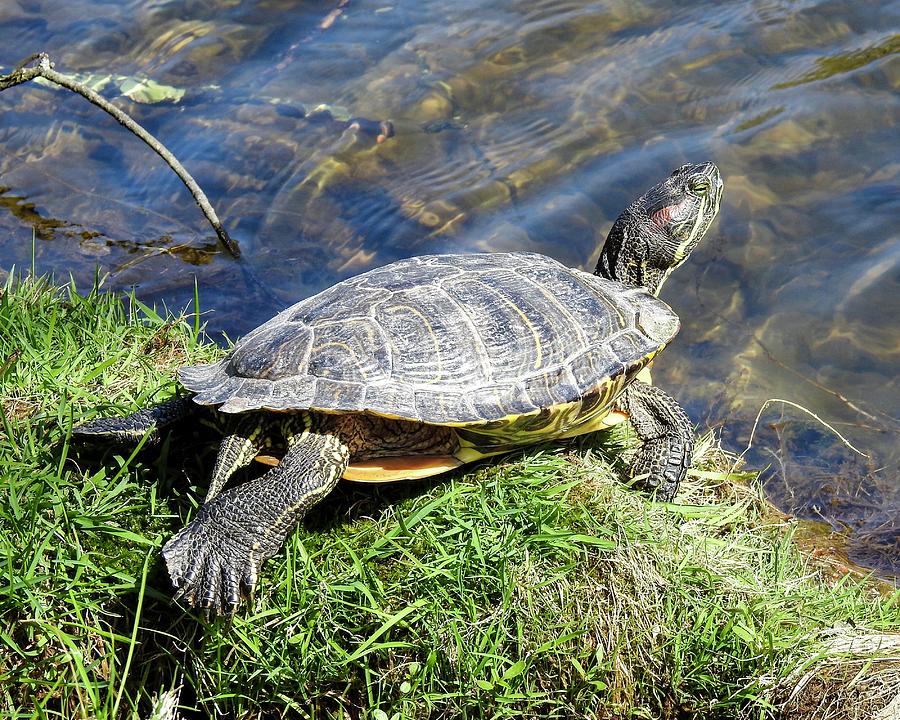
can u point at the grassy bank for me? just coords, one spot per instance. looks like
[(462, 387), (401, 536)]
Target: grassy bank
[(537, 586)]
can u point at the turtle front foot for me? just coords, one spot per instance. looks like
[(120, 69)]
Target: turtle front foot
[(667, 438), (215, 560), (661, 465)]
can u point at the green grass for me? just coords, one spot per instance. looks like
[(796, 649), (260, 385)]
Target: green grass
[(537, 586)]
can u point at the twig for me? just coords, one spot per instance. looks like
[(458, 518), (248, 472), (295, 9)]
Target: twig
[(289, 55), (26, 71), (844, 440), (816, 384), (333, 15)]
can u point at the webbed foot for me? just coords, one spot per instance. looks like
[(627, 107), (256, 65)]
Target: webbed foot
[(213, 562), (667, 436)]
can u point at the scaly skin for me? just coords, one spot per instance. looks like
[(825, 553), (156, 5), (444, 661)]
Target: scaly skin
[(242, 441), (667, 439), (215, 560), (132, 428), (652, 237), (659, 230)]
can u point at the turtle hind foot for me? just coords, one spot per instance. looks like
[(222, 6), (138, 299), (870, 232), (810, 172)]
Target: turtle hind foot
[(214, 560), (210, 569)]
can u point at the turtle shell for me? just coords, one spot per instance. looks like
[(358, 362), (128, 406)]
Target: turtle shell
[(445, 339)]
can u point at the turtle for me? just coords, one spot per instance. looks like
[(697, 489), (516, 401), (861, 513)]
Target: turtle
[(426, 364)]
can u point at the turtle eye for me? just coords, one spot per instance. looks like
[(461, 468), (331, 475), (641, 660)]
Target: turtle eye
[(700, 187)]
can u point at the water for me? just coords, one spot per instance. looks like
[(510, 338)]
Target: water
[(518, 125)]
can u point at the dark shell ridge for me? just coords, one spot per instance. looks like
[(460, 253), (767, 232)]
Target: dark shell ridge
[(447, 339)]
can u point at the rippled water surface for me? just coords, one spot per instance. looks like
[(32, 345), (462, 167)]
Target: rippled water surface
[(518, 124)]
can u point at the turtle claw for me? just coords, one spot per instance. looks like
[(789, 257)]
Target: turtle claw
[(661, 465), (209, 568), (214, 561), (231, 594)]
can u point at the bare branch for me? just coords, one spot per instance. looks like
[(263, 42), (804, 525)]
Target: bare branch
[(25, 71)]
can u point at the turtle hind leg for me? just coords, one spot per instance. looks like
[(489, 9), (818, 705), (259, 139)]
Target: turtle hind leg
[(667, 438), (248, 435), (132, 428), (215, 560)]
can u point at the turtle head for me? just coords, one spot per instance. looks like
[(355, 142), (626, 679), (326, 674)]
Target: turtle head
[(658, 231)]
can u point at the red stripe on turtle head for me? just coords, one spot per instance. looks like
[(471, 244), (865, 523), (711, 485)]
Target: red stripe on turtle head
[(667, 214), (662, 216)]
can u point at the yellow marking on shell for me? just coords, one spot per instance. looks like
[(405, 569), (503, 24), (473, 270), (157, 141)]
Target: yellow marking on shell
[(434, 339), (567, 420), (537, 339), (603, 421), (574, 323), (481, 355), (394, 469), (348, 349)]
